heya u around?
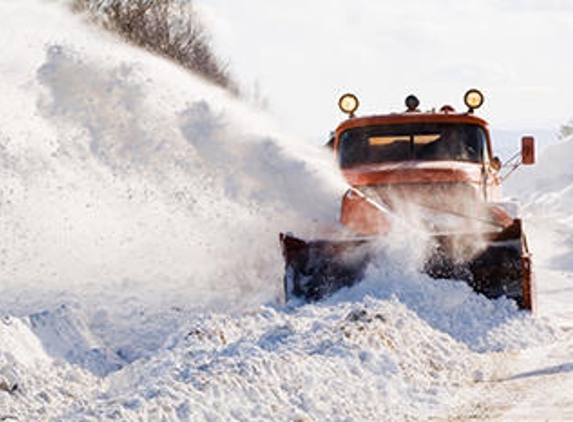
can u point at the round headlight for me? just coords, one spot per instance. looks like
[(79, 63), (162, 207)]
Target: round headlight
[(348, 103), (473, 99)]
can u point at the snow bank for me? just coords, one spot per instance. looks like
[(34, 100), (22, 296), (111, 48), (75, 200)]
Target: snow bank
[(368, 359), (546, 190), (365, 362), (551, 173), (32, 384)]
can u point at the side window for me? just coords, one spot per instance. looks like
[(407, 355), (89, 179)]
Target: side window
[(352, 148), (482, 142)]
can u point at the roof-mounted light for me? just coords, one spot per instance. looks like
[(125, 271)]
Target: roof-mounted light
[(412, 103), (348, 103), (473, 99)]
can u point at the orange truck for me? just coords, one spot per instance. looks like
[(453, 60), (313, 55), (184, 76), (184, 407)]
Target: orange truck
[(429, 171)]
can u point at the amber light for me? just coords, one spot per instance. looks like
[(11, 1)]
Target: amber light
[(348, 103), (473, 99)]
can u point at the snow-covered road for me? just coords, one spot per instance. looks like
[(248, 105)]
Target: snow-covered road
[(534, 384)]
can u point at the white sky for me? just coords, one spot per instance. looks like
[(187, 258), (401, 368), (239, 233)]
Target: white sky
[(305, 53)]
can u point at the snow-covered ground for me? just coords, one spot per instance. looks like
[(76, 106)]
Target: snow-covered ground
[(140, 270)]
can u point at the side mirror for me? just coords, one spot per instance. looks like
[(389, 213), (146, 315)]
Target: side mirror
[(528, 150)]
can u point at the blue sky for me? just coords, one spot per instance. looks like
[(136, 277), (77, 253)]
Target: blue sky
[(304, 54)]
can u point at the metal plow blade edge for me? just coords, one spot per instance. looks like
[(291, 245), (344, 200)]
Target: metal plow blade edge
[(500, 266)]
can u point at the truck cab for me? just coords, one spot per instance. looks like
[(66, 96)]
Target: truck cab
[(441, 161)]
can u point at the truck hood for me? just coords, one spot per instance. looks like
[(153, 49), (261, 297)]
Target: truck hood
[(414, 172)]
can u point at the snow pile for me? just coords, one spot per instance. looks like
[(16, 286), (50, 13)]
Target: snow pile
[(368, 359), (453, 308), (359, 361), (66, 336), (32, 384), (364, 361)]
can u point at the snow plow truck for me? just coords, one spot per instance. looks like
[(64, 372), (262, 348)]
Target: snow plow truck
[(439, 163)]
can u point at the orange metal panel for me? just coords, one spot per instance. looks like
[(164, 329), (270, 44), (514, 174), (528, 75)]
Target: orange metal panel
[(414, 172), (528, 285)]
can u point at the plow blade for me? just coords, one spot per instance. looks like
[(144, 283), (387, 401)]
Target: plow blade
[(501, 266)]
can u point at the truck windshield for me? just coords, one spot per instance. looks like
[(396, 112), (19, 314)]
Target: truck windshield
[(419, 141)]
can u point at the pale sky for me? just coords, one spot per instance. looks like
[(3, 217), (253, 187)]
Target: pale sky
[(304, 54)]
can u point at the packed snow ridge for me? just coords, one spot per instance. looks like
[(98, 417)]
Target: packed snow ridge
[(141, 274)]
